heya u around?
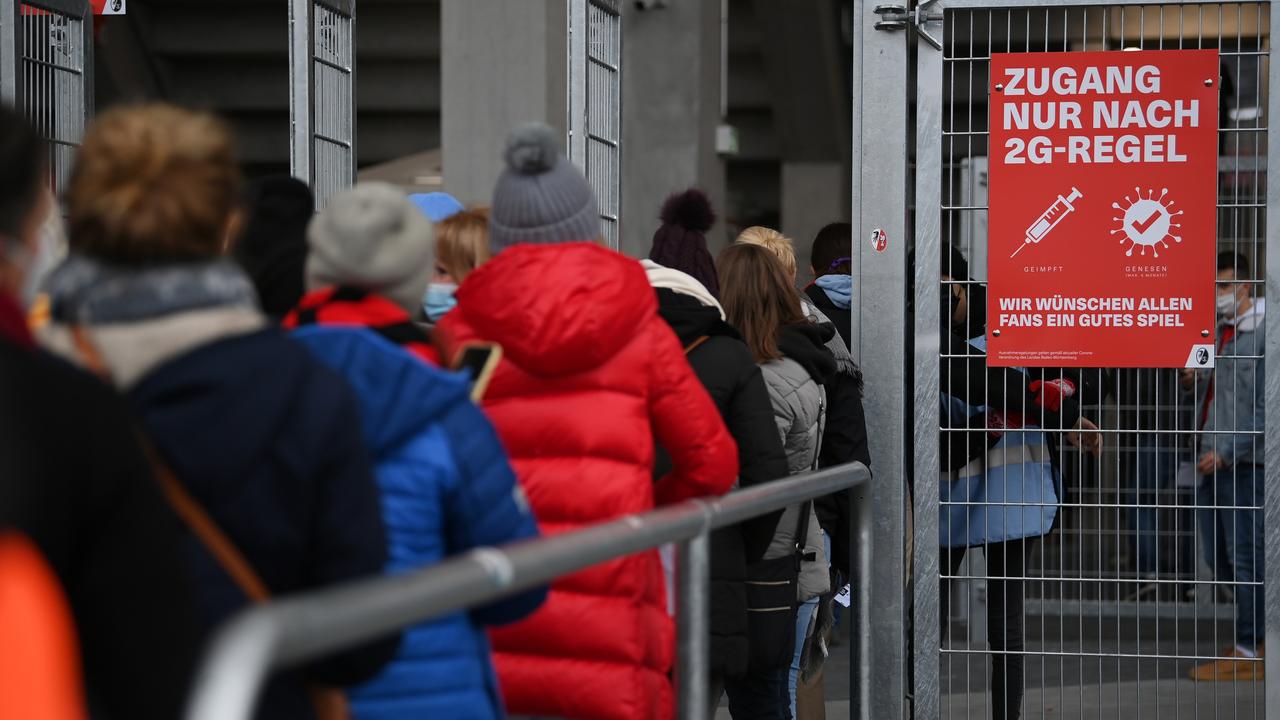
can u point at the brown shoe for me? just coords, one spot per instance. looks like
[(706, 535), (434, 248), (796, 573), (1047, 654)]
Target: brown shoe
[(1234, 667)]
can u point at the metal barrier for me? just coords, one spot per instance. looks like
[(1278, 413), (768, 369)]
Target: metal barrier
[(1129, 590), (595, 104), (46, 72), (306, 627), (322, 80)]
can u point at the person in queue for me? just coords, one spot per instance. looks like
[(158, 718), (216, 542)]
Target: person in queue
[(462, 245), (844, 440), (446, 484), (258, 445), (761, 302), (590, 374), (75, 481), (726, 368), (680, 242), (831, 263), (272, 246), (354, 280)]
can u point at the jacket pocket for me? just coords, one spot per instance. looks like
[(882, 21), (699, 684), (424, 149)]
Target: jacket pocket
[(771, 611)]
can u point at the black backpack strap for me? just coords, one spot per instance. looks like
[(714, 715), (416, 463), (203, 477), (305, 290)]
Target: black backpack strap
[(404, 333)]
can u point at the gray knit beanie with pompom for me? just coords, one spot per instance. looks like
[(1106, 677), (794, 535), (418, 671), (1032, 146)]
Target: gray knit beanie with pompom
[(540, 197)]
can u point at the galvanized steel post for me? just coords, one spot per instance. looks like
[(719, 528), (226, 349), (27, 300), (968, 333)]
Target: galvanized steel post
[(693, 624)]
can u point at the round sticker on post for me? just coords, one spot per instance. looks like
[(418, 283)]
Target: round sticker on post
[(879, 240)]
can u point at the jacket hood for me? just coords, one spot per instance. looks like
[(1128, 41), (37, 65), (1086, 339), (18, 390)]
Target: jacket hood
[(805, 343), (261, 384), (839, 289), (691, 319), (398, 394), (681, 282), (558, 309)]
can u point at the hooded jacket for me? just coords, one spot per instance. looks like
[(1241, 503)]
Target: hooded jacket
[(799, 410), (834, 301), (446, 488), (589, 375), (844, 436), (724, 365), (1234, 419), (260, 434)]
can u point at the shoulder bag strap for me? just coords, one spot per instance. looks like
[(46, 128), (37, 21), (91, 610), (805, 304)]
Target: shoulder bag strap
[(329, 703), (694, 345), (802, 529), (186, 507), (89, 354), (208, 533)]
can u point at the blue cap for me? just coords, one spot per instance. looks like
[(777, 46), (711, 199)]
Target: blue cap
[(436, 205)]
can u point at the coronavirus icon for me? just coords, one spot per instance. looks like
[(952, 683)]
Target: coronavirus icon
[(1147, 222)]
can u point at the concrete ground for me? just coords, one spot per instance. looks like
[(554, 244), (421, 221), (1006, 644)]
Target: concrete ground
[(1082, 673)]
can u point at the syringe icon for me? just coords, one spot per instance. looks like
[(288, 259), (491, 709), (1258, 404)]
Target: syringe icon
[(1049, 219)]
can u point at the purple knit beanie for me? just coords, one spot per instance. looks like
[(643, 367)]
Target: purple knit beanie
[(681, 242)]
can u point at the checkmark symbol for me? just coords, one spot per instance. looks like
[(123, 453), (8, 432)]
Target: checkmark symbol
[(1145, 225)]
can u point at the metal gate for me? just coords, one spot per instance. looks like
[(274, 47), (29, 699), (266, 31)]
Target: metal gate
[(322, 79), (595, 103), (46, 72), (1133, 588)]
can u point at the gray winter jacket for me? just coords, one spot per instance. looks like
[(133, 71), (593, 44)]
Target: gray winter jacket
[(799, 407), (1237, 408)]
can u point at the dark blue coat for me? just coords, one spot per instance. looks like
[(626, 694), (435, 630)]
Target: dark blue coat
[(268, 440), (446, 488)]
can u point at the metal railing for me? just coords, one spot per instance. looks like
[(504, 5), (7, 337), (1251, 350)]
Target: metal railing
[(312, 625)]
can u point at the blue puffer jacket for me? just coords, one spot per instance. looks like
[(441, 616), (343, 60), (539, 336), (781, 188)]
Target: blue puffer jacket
[(446, 488)]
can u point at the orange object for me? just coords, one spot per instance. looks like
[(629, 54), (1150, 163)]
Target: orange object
[(39, 659)]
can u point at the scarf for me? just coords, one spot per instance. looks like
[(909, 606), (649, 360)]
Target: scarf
[(85, 291)]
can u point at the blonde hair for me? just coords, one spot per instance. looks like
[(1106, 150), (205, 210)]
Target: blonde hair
[(773, 241), (462, 242), (153, 183)]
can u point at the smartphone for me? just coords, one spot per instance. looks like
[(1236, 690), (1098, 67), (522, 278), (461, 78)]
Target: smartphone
[(480, 360)]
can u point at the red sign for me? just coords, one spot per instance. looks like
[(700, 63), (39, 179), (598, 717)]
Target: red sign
[(1102, 226)]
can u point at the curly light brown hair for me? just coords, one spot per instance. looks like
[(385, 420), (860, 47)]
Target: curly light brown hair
[(153, 183)]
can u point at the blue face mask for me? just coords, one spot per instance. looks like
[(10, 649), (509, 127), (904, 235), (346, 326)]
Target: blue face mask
[(439, 300)]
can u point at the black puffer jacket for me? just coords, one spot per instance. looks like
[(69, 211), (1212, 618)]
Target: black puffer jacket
[(725, 366)]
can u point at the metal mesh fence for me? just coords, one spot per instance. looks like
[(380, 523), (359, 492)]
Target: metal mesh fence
[(49, 44), (322, 103), (1150, 568), (595, 117), (333, 103)]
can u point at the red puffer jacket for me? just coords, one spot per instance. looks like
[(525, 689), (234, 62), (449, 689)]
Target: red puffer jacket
[(590, 376)]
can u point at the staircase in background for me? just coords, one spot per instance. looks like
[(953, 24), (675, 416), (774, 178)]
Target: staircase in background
[(231, 56)]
